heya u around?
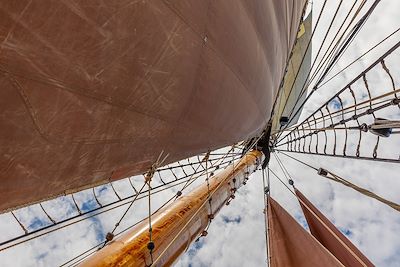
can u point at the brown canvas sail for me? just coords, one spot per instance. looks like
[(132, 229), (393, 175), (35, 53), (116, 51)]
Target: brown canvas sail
[(93, 91), (292, 246), (332, 239)]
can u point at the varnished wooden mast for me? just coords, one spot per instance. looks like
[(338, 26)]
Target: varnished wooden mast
[(176, 226)]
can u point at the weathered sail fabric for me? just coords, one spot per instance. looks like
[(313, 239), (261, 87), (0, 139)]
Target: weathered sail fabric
[(298, 69), (329, 236), (290, 245), (93, 91)]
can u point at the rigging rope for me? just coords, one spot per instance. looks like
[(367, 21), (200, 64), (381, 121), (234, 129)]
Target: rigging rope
[(187, 223), (358, 58), (99, 244), (202, 205), (266, 193), (357, 105), (304, 86), (328, 54), (291, 115), (230, 156), (126, 211), (347, 87), (333, 57), (150, 244), (104, 208), (278, 160), (325, 173), (361, 190), (49, 229)]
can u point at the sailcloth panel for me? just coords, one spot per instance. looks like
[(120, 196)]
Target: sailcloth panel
[(290, 245), (93, 91), (331, 239)]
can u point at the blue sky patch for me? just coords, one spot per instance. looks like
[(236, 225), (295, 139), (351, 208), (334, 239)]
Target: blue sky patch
[(89, 205), (335, 104), (345, 231), (98, 229), (236, 219), (37, 223)]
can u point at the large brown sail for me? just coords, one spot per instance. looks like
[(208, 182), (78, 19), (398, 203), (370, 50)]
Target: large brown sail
[(93, 91), (329, 236), (290, 245)]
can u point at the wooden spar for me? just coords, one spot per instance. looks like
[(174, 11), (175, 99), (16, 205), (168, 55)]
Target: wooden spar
[(177, 225)]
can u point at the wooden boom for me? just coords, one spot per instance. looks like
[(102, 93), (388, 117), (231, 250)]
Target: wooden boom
[(177, 225)]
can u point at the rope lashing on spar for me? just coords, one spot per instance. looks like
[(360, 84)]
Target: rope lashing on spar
[(210, 213), (148, 177)]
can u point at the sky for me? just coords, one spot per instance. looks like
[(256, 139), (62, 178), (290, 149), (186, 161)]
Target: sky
[(237, 235)]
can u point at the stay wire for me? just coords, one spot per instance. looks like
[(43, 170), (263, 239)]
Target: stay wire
[(328, 53), (339, 113), (320, 47), (336, 43), (101, 209), (307, 82), (358, 58), (291, 116), (365, 192), (284, 170), (128, 208), (213, 165), (343, 48), (265, 202), (85, 218), (226, 157), (357, 107), (162, 206), (388, 52), (117, 234)]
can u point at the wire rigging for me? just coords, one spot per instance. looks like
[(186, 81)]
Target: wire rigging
[(266, 194), (28, 236), (336, 178), (227, 156), (347, 87), (315, 59), (341, 50), (293, 115)]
